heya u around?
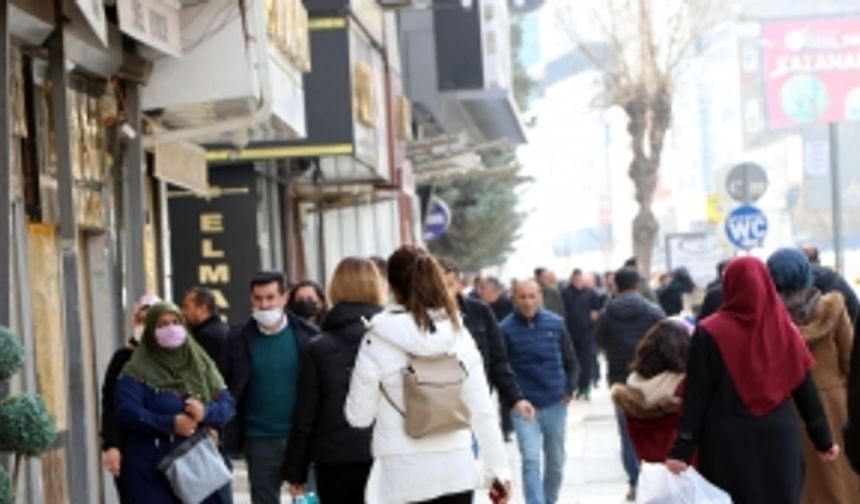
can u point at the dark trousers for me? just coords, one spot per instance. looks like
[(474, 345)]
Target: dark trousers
[(265, 457), (586, 354), (342, 483), (460, 498)]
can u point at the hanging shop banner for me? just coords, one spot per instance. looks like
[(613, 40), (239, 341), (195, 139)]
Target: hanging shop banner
[(214, 239), (811, 71), (369, 102), (183, 164), (287, 22), (154, 22)]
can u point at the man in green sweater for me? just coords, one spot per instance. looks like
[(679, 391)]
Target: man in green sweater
[(262, 370)]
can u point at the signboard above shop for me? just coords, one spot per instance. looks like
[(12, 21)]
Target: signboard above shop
[(811, 71), (156, 23), (94, 13)]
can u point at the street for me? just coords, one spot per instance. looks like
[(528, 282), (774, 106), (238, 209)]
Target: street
[(593, 474)]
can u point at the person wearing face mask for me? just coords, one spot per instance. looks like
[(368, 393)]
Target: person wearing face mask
[(112, 437), (167, 391), (307, 300), (261, 367)]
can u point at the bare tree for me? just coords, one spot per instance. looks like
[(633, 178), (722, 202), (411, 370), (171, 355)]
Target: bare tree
[(640, 47)]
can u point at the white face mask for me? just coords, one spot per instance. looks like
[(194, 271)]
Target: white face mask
[(137, 333), (268, 318)]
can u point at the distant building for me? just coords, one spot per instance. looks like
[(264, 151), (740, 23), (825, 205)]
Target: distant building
[(525, 6)]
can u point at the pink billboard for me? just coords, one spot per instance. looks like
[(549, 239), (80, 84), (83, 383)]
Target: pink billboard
[(811, 71)]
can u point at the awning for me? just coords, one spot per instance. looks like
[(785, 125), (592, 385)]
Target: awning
[(494, 114)]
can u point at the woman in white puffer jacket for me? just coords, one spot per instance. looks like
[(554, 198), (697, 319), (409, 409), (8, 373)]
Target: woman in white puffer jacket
[(439, 469)]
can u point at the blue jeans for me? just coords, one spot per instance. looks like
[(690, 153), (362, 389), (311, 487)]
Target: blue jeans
[(628, 451), (546, 434)]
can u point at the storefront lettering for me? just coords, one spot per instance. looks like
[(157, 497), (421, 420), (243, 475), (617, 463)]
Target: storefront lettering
[(154, 22), (209, 251), (139, 19), (158, 26), (210, 274), (363, 94), (218, 274)]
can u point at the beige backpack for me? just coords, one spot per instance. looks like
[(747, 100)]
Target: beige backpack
[(432, 396)]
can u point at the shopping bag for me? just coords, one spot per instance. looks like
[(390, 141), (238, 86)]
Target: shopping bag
[(195, 468), (657, 485)]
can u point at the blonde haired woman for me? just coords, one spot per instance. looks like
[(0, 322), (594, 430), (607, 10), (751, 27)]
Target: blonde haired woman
[(440, 468), (320, 432)]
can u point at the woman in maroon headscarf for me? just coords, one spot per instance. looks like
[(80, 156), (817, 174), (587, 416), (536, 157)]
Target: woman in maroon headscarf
[(747, 362)]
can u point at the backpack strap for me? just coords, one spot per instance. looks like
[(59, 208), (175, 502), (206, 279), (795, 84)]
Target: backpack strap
[(391, 401)]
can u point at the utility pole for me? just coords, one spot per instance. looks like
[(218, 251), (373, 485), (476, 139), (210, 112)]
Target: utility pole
[(5, 173), (836, 196), (80, 423)]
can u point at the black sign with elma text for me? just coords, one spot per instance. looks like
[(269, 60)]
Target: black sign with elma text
[(214, 240)]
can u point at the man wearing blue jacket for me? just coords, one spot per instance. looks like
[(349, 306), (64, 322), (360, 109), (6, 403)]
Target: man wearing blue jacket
[(544, 362)]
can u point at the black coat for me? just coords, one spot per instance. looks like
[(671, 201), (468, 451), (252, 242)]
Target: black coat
[(713, 301), (482, 325), (827, 280), (672, 298), (236, 367), (212, 336), (112, 435), (756, 459), (502, 308), (620, 329), (578, 305), (320, 432)]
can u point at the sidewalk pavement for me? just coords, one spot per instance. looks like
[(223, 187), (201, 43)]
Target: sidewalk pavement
[(593, 473)]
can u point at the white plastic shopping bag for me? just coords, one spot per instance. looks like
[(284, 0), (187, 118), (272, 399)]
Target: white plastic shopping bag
[(657, 485)]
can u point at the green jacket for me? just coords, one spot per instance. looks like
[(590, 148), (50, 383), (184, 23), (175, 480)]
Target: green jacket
[(552, 300)]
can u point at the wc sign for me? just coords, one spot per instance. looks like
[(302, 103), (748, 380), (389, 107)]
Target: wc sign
[(746, 227)]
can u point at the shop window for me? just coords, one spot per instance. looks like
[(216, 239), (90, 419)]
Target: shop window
[(92, 114)]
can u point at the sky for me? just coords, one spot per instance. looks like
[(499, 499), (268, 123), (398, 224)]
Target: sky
[(565, 154)]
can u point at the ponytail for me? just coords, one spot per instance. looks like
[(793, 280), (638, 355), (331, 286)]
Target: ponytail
[(418, 283)]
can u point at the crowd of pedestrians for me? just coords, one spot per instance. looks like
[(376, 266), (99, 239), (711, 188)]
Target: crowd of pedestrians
[(393, 384)]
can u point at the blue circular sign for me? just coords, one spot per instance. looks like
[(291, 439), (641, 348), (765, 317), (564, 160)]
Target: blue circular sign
[(438, 219), (746, 227)]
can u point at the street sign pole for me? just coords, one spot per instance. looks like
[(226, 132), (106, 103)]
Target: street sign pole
[(836, 195)]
